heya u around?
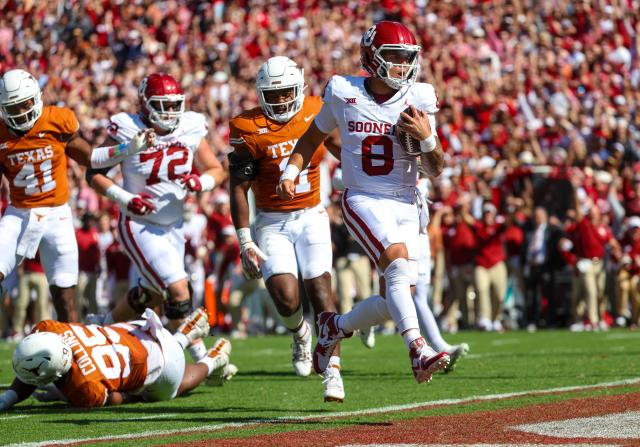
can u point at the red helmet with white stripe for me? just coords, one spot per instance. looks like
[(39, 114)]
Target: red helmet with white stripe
[(161, 100), (390, 40)]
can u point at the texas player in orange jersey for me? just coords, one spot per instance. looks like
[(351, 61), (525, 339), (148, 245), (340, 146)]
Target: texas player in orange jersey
[(92, 366), (290, 236), (35, 141)]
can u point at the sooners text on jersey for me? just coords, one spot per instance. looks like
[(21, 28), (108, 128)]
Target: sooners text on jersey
[(156, 170), (372, 158), (35, 163), (271, 145)]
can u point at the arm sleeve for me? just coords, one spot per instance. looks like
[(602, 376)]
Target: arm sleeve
[(325, 120)]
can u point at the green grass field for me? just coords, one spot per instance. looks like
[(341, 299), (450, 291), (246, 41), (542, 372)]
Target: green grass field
[(267, 389)]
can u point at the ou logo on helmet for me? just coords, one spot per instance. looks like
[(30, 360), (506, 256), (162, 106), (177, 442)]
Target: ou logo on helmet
[(368, 37)]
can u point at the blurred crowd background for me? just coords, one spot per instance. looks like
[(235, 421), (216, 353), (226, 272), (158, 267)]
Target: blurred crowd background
[(535, 220)]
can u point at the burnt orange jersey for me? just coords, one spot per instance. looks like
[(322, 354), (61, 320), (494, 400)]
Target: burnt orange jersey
[(271, 144), (105, 358), (35, 163)]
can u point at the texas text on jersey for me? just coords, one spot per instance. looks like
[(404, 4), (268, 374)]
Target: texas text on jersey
[(35, 163), (157, 169), (270, 145)]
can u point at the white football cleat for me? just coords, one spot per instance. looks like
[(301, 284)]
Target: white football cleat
[(425, 361), (456, 352), (368, 337), (222, 375), (196, 325), (333, 387), (218, 356), (301, 353)]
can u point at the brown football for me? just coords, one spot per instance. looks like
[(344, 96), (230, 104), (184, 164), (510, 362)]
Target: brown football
[(410, 144)]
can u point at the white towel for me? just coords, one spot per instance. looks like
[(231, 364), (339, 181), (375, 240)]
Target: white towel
[(32, 234)]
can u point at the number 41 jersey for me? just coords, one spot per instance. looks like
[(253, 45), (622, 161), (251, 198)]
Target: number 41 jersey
[(157, 169), (372, 159), (35, 163)]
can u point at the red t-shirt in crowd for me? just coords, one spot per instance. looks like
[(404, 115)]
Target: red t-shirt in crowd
[(215, 223), (589, 239), (33, 265), (459, 243), (490, 240), (513, 237), (88, 249), (118, 262)]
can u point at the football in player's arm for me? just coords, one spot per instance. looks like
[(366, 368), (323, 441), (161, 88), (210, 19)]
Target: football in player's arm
[(379, 117)]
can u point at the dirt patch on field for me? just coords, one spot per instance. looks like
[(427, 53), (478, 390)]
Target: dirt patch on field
[(487, 427)]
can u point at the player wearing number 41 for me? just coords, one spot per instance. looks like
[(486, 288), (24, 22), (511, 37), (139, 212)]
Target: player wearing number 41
[(92, 366), (35, 141), (292, 236), (381, 206), (157, 150)]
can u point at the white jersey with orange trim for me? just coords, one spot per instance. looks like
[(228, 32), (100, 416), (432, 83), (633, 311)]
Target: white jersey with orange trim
[(157, 169)]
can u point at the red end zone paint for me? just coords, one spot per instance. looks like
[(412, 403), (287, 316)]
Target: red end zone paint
[(486, 427)]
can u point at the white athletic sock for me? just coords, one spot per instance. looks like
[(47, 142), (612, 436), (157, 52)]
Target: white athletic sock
[(398, 295), (334, 360), (409, 336), (294, 322), (212, 363), (425, 316), (197, 350), (370, 312)]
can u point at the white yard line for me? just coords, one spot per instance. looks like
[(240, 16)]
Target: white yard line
[(339, 414)]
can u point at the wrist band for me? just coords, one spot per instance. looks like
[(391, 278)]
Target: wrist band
[(428, 144), (207, 182), (290, 173), (244, 235), (118, 195)]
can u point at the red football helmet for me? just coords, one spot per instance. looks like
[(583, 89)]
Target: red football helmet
[(381, 41), (161, 100)]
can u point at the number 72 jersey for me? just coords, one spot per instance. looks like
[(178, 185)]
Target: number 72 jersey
[(157, 169), (35, 163), (372, 159)]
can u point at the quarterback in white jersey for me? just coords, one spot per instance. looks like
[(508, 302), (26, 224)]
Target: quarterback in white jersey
[(380, 205), (157, 150)]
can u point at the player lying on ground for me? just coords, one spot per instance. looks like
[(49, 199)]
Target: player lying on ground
[(93, 366)]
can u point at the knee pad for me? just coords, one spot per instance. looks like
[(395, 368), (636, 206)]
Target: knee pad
[(138, 299), (175, 309), (398, 272)]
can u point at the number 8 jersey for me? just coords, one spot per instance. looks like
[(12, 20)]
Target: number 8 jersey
[(35, 163), (157, 169), (372, 159)]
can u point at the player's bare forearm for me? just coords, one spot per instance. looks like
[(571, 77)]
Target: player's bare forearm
[(306, 146), (433, 162), (333, 144), (239, 203), (207, 162), (100, 183), (22, 389), (79, 150)]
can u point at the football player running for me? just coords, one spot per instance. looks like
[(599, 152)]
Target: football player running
[(93, 366), (35, 141), (381, 206), (157, 150), (293, 236)]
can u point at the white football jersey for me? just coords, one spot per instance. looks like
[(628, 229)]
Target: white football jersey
[(156, 170), (372, 158)]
